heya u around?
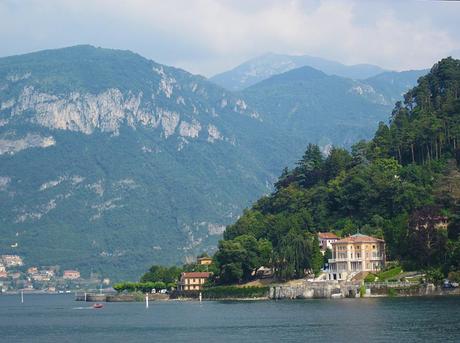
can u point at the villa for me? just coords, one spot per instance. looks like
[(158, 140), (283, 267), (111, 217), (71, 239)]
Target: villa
[(12, 261), (355, 254), (326, 239), (192, 281), (204, 261), (71, 274)]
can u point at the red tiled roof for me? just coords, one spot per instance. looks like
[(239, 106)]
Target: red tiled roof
[(196, 274), (359, 238), (327, 235)]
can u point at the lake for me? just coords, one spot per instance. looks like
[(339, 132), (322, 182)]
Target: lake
[(58, 318)]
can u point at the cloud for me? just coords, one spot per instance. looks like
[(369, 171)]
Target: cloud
[(208, 36)]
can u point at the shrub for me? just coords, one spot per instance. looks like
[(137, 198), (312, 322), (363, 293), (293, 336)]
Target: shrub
[(220, 292), (434, 276), (389, 274), (362, 291), (370, 278), (454, 276), (144, 287)]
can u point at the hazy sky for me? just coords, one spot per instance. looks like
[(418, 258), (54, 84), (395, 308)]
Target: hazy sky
[(209, 36)]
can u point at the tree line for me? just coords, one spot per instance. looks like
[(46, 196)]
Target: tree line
[(395, 186)]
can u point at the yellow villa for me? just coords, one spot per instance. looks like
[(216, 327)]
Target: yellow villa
[(204, 261), (355, 254), (193, 281)]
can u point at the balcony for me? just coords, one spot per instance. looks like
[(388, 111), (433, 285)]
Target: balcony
[(356, 259), (334, 260)]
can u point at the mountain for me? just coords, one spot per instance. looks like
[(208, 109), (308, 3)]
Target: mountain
[(265, 66), (110, 161), (395, 84), (403, 185), (311, 106)]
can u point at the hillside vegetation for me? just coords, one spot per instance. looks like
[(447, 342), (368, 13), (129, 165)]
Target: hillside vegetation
[(393, 186), (110, 162)]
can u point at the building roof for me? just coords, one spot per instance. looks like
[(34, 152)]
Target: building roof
[(196, 274), (204, 258), (327, 235), (359, 238)]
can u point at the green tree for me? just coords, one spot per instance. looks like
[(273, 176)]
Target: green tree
[(317, 260), (308, 169), (265, 249), (427, 244), (229, 258)]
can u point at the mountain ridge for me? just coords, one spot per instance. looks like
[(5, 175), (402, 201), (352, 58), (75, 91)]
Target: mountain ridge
[(130, 172), (129, 162), (262, 67)]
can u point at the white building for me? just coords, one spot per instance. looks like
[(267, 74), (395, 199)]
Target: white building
[(12, 261), (326, 239), (355, 254)]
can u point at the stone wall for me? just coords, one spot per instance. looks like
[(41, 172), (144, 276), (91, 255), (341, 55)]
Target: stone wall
[(333, 289), (315, 289)]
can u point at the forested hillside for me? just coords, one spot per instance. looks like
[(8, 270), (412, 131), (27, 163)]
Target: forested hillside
[(110, 162), (313, 107), (395, 186)]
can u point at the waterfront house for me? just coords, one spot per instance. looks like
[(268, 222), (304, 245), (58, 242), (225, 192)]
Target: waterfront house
[(50, 272), (41, 276), (192, 281), (12, 260), (71, 274), (326, 239), (355, 254), (204, 261), (32, 270)]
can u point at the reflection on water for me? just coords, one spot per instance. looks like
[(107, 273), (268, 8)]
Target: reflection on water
[(57, 318)]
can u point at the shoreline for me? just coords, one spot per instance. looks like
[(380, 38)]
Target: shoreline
[(137, 298)]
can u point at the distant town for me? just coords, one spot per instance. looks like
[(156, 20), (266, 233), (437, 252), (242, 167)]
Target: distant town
[(16, 276)]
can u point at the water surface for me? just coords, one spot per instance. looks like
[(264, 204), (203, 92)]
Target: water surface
[(58, 318)]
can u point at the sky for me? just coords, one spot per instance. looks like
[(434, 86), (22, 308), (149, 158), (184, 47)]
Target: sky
[(211, 36)]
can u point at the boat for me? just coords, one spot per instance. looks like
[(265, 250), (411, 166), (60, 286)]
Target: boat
[(98, 305)]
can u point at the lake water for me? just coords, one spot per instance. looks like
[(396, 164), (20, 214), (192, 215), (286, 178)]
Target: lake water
[(58, 318)]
